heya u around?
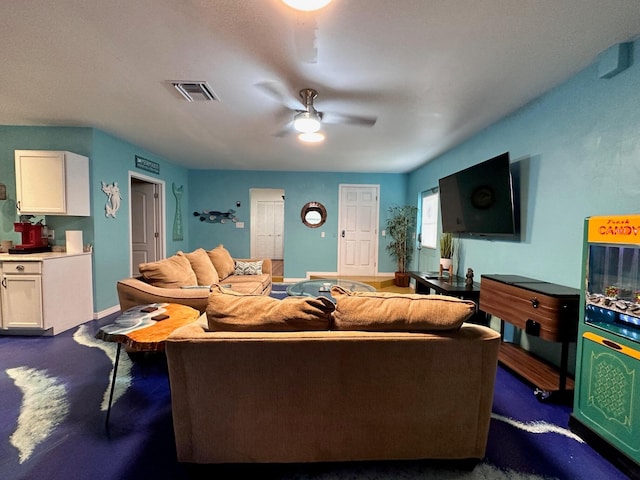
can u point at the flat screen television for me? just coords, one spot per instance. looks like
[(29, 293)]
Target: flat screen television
[(479, 200)]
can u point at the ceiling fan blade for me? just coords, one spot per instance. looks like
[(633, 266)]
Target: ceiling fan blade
[(339, 118), (287, 129), (279, 93)]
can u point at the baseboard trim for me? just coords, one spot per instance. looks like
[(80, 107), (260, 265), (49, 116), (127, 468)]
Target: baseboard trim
[(106, 312)]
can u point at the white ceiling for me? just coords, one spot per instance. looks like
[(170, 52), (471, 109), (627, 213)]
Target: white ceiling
[(434, 72)]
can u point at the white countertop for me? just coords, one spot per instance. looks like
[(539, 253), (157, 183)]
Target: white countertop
[(37, 257)]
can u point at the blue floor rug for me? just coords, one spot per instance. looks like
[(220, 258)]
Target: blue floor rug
[(53, 393), (279, 290)]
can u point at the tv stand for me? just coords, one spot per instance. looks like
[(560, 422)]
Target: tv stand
[(540, 309)]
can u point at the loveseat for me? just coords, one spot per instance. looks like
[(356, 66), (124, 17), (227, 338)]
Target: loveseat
[(185, 278), (378, 376)]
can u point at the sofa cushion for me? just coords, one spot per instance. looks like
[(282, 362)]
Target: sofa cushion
[(248, 268), (172, 272), (202, 266), (249, 284), (386, 311), (232, 311), (222, 261)]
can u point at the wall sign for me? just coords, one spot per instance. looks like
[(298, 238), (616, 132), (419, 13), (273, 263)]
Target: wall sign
[(147, 165), (614, 229)]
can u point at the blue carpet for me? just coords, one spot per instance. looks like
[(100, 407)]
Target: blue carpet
[(52, 393), (279, 290)]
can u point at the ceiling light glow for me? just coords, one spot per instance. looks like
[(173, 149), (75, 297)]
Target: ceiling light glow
[(307, 5), (306, 122), (311, 137)]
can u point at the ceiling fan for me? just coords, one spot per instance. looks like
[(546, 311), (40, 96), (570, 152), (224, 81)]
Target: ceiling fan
[(308, 121)]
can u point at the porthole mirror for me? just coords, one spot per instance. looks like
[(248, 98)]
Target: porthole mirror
[(313, 214)]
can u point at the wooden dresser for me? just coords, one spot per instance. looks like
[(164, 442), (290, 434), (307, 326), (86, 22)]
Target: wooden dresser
[(541, 309)]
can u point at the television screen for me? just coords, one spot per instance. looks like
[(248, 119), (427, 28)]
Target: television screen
[(479, 199)]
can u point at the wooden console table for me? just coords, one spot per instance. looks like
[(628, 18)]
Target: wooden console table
[(540, 309), (453, 286)]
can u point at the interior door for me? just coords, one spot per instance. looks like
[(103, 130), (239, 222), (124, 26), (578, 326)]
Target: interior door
[(267, 223), (358, 230), (145, 223)]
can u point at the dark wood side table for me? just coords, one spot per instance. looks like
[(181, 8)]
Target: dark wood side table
[(453, 286)]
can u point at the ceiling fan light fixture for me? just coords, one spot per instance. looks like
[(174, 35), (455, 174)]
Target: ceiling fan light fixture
[(306, 122), (307, 5), (311, 137)]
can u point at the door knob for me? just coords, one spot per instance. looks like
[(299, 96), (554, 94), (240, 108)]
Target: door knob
[(342, 234)]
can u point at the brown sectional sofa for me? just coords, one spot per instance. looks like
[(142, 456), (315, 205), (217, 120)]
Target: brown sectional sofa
[(348, 388), (185, 278)]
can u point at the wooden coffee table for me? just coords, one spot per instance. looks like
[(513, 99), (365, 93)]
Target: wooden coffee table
[(146, 339)]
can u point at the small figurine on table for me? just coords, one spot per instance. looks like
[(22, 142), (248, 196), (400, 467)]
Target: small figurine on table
[(469, 278)]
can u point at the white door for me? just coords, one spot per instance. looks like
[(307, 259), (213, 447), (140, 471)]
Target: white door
[(358, 230), (267, 223), (146, 226)]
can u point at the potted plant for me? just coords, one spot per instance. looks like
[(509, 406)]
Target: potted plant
[(447, 248), (400, 224)]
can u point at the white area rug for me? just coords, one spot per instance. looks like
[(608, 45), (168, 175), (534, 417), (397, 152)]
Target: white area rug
[(123, 379), (482, 471), (44, 406)]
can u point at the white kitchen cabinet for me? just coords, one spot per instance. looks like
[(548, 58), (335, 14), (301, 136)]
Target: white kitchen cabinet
[(52, 183), (22, 294), (45, 293)]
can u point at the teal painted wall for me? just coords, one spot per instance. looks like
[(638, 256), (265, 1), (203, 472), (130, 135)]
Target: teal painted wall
[(304, 249), (77, 140), (110, 160), (577, 149)]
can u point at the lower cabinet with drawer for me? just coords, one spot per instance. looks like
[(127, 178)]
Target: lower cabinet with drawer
[(22, 295), (44, 294), (540, 309)]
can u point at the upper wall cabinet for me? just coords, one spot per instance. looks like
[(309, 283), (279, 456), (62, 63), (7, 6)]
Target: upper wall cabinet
[(52, 183)]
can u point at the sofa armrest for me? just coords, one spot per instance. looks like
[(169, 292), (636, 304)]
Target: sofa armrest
[(135, 291)]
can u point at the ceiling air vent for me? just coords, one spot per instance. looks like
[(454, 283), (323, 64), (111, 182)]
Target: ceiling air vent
[(195, 91)]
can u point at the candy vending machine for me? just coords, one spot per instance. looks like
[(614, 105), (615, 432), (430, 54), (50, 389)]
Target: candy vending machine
[(606, 410)]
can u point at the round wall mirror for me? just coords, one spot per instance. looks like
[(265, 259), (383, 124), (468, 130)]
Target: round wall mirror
[(313, 214)]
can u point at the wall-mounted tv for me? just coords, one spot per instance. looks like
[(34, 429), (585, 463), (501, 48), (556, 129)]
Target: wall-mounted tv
[(479, 200)]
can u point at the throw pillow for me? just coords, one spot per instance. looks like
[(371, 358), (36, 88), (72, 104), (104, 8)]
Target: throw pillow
[(248, 268), (386, 311), (206, 273), (222, 261), (172, 272), (232, 311)]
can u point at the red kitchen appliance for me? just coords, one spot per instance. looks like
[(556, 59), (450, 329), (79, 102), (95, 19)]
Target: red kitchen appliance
[(34, 237)]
